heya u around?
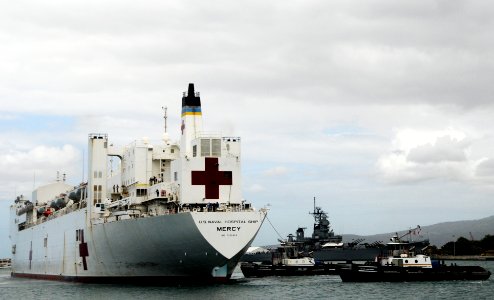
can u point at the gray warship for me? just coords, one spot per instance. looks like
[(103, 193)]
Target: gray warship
[(324, 245)]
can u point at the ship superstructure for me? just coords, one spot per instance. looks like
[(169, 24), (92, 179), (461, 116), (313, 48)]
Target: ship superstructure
[(323, 245), (173, 210)]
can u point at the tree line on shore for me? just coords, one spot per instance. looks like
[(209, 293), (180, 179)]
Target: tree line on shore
[(464, 246)]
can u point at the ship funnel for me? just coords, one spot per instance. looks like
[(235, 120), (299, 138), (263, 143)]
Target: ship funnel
[(190, 92), (191, 99), (191, 119)]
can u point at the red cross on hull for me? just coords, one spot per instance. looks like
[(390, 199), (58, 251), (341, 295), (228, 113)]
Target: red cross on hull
[(212, 178), (83, 250)]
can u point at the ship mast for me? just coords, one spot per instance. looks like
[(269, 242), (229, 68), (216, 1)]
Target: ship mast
[(314, 204), (165, 116), (322, 229), (317, 213)]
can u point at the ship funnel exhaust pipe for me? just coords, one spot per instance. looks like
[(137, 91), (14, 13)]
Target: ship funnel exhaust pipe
[(190, 98), (190, 92)]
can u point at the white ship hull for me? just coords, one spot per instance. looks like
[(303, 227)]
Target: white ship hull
[(167, 211), (200, 245)]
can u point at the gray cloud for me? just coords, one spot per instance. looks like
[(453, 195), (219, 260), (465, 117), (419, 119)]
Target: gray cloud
[(486, 168), (443, 150), (386, 52)]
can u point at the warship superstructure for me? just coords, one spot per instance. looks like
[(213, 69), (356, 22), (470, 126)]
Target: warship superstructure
[(323, 245), (170, 211)]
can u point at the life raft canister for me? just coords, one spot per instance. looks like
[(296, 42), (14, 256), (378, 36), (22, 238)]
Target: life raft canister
[(47, 212)]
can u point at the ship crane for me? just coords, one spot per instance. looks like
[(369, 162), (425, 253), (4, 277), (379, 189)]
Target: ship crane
[(397, 238)]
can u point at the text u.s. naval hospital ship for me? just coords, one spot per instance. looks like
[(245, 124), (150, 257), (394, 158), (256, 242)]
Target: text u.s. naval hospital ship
[(171, 212)]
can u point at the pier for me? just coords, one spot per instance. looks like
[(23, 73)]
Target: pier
[(463, 257)]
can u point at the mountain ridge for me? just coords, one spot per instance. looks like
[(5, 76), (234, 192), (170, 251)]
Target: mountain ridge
[(439, 233)]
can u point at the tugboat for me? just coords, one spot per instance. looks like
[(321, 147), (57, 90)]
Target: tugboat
[(324, 245), (286, 260), (5, 263), (401, 263)]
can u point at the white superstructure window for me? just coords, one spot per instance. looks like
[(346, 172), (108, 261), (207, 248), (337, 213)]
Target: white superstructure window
[(216, 147), (211, 147), (98, 191), (205, 147)]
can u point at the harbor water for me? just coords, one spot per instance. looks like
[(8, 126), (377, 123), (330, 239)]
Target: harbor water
[(303, 287)]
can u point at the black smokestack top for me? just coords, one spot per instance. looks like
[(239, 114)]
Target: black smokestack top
[(191, 89), (191, 99)]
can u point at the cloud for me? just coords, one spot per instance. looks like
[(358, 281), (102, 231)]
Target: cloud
[(319, 51), (7, 117), (426, 156), (19, 169), (40, 156), (443, 150), (276, 171), (256, 188), (485, 168)]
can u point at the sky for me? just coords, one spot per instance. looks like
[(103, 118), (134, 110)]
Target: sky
[(380, 109)]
